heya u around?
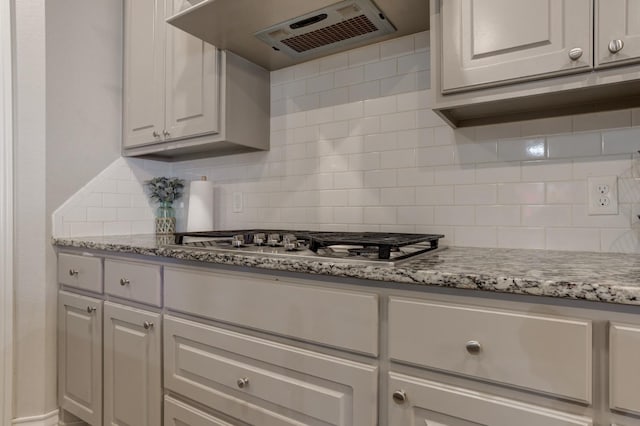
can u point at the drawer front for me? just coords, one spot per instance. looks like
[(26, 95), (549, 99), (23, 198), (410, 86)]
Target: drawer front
[(624, 353), (549, 354), (177, 413), (133, 280), (84, 272), (424, 402), (337, 318), (266, 383)]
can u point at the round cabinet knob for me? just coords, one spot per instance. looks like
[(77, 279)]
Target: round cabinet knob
[(615, 46), (124, 281), (156, 134), (147, 325), (473, 347), (575, 53), (91, 309), (399, 396), (73, 272), (243, 382), (166, 134)]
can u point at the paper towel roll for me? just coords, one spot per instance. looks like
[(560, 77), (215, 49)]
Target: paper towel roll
[(200, 214)]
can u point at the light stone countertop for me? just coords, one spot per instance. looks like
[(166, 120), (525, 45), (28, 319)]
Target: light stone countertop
[(601, 277)]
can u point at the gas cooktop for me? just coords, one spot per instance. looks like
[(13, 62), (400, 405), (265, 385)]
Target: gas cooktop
[(363, 248)]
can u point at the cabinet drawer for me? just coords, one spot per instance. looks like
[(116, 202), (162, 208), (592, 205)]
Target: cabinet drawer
[(424, 402), (549, 354), (83, 272), (266, 383), (624, 386), (177, 413), (336, 318), (133, 280)]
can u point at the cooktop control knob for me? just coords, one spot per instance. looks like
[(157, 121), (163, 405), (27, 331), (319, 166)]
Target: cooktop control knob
[(273, 239), (238, 240), (290, 242), (259, 239)]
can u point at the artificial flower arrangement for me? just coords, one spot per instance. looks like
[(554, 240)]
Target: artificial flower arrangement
[(165, 191)]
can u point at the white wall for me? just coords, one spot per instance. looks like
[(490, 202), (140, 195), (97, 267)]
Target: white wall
[(68, 96)]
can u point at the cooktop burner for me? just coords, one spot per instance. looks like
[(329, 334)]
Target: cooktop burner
[(362, 247)]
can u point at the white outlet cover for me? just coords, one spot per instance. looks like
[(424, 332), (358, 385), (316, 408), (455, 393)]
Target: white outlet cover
[(237, 202), (602, 203)]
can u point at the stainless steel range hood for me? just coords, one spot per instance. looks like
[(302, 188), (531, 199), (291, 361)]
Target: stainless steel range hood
[(278, 33)]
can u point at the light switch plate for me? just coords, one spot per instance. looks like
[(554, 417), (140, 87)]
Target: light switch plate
[(237, 202)]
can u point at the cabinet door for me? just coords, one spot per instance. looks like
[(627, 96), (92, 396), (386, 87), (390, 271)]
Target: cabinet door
[(617, 20), (491, 42), (624, 386), (132, 370), (416, 402), (80, 356), (192, 84), (144, 44)]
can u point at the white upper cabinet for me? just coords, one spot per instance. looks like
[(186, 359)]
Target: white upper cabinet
[(489, 42), (618, 32), (182, 96), (143, 72)]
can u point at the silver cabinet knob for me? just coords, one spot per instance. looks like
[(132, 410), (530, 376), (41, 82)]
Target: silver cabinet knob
[(166, 134), (575, 53), (615, 46), (91, 309), (147, 325), (156, 134), (124, 281), (473, 347), (243, 382), (73, 272), (399, 396)]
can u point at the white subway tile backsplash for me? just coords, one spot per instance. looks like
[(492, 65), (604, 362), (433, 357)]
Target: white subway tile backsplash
[(498, 215), (546, 170), (397, 47), (475, 194), (435, 156), (454, 215), (380, 215), (621, 141), (415, 215), (522, 149), (521, 193), (476, 236), (398, 159), (577, 145), (601, 120), (573, 239), (355, 146), (399, 84), (546, 215), (398, 196), (521, 237), (435, 195)]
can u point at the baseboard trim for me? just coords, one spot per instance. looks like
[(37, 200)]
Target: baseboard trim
[(49, 419)]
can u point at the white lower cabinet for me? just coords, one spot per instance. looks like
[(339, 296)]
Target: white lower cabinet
[(80, 356), (414, 401), (132, 366), (177, 413), (261, 382)]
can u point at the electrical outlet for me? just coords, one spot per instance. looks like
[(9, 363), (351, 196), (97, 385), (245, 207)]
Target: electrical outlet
[(237, 202), (603, 195)]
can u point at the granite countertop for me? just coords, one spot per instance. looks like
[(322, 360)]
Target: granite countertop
[(602, 277)]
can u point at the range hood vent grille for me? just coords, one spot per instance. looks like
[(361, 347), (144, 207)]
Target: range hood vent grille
[(332, 34), (338, 25)]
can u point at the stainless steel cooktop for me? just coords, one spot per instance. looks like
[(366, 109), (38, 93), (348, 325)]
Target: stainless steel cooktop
[(363, 248)]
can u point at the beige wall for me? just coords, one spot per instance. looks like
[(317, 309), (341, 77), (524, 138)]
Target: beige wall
[(68, 102)]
